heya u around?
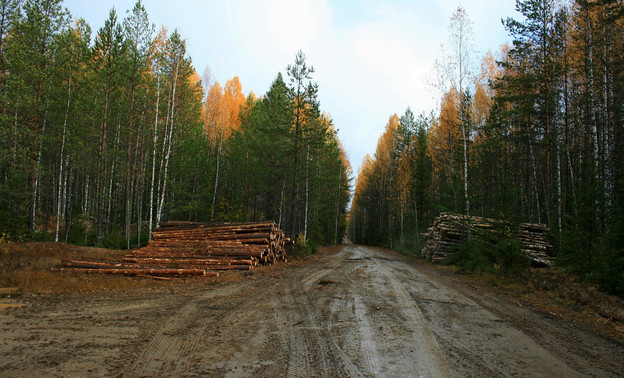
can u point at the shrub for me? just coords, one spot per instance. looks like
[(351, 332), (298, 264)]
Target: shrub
[(491, 252)]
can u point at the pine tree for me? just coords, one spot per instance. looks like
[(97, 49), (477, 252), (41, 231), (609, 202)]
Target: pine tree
[(108, 52), (303, 94), (31, 59)]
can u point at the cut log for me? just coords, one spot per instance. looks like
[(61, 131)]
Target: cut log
[(449, 231), (190, 248)]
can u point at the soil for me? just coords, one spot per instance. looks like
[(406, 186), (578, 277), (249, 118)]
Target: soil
[(351, 311)]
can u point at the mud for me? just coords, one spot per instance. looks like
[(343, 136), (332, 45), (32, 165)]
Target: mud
[(357, 312)]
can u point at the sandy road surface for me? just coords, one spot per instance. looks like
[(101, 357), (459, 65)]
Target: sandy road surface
[(358, 312)]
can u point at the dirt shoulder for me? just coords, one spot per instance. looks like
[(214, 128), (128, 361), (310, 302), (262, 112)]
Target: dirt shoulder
[(555, 294), (348, 311)]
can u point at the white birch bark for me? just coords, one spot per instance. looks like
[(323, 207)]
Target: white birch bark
[(151, 205), (164, 188), (307, 195), (58, 205)]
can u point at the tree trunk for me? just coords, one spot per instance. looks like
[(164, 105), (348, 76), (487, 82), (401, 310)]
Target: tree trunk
[(281, 203), (592, 113), (307, 198), (164, 188), (338, 204), (112, 178), (151, 204), (58, 209), (39, 138), (68, 206), (85, 205), (293, 196), (466, 202), (102, 168), (216, 180), (129, 178), (534, 174)]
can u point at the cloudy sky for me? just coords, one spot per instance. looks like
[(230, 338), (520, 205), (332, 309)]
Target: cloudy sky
[(372, 58)]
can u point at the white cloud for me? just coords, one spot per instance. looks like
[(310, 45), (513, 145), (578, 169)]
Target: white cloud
[(294, 24)]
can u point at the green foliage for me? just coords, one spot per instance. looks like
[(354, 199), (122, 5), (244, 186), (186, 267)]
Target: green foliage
[(304, 247), (107, 132), (285, 163), (114, 240), (545, 145), (81, 232), (491, 252)]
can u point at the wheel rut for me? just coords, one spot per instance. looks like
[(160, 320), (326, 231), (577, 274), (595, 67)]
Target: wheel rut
[(351, 312)]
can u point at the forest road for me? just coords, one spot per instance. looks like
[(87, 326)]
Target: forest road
[(356, 311)]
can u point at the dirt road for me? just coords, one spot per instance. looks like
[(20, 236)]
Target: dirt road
[(357, 312)]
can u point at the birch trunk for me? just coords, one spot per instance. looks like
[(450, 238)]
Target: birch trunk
[(140, 180), (85, 205), (307, 197), (164, 188), (216, 180), (151, 204), (110, 186), (58, 209), (161, 166), (592, 114)]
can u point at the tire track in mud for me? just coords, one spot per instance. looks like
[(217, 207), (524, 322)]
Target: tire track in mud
[(355, 312), (429, 359), (170, 347), (368, 345), (462, 325), (312, 348)]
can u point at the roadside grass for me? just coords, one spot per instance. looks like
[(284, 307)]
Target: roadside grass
[(30, 268), (549, 290), (563, 295)]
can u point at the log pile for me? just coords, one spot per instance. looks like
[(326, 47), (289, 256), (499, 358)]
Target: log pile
[(198, 249), (449, 231), (132, 269)]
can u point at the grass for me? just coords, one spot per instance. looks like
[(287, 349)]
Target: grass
[(556, 293), (31, 268), (549, 290)]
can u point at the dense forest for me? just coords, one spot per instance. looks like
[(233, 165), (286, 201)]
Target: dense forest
[(103, 136), (534, 135)]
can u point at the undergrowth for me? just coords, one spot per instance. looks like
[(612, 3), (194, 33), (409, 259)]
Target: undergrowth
[(492, 252)]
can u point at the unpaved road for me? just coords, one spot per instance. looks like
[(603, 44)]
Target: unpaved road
[(358, 312)]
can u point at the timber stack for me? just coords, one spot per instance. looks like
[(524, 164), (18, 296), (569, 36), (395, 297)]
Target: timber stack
[(203, 249), (449, 231)]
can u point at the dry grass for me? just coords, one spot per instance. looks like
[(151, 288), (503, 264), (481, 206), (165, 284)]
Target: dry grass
[(30, 268), (558, 294), (548, 290)]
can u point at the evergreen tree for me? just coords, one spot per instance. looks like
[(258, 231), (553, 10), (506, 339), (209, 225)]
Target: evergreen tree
[(303, 94), (30, 57), (108, 53)]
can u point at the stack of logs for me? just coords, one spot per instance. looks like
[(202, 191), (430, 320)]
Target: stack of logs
[(189, 248), (449, 231)]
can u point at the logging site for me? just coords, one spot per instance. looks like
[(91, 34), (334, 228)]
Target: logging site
[(348, 310), (312, 188)]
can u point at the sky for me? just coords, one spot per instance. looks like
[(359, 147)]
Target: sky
[(372, 58)]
